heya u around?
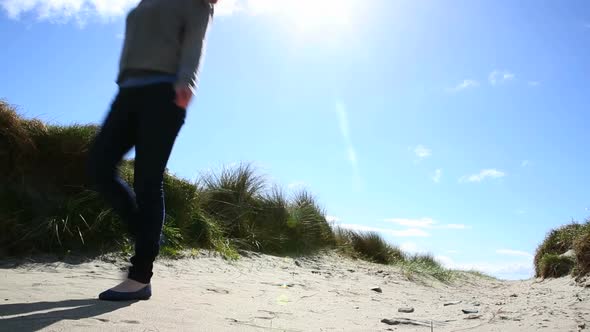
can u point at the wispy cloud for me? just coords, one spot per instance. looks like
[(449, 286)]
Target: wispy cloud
[(65, 10), (345, 132), (510, 252), (228, 7), (525, 163), (421, 223), (437, 175), (466, 84), (482, 175), (422, 152), (534, 83), (500, 76), (410, 232), (81, 10), (455, 226), (424, 223), (453, 251), (327, 12)]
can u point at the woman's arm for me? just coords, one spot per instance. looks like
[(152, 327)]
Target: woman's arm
[(197, 18)]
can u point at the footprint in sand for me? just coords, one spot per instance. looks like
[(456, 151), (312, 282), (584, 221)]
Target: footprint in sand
[(104, 320)]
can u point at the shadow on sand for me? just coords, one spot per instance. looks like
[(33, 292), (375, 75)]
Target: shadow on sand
[(25, 316)]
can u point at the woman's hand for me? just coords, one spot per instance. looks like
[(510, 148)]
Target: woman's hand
[(184, 94)]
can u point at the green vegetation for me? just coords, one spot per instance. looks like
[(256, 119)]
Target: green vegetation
[(425, 265), (47, 205), (549, 259), (372, 247), (479, 274), (555, 266)]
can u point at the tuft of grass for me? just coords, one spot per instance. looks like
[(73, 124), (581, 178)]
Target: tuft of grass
[(306, 227), (367, 245), (557, 242), (582, 250), (425, 264), (231, 199), (555, 266), (574, 236)]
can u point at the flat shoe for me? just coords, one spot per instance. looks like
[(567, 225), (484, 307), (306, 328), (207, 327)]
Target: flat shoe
[(111, 295)]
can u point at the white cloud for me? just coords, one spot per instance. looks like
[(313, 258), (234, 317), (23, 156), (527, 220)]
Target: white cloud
[(465, 85), (534, 83), (447, 262), (412, 248), (500, 76), (410, 232), (437, 175), (508, 270), (525, 163), (520, 211), (483, 174), (332, 219), (424, 223), (453, 251), (296, 185), (64, 10), (511, 252), (422, 152)]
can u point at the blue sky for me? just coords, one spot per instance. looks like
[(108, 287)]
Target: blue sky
[(455, 127)]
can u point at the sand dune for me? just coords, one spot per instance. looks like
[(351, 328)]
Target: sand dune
[(266, 293)]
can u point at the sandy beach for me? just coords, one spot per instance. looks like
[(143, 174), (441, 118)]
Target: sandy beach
[(267, 293)]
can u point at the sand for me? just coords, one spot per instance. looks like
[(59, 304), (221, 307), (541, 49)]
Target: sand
[(266, 293)]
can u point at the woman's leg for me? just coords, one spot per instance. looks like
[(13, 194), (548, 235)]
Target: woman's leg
[(159, 122), (115, 139)]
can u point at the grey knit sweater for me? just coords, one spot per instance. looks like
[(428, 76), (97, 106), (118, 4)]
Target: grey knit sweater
[(165, 36)]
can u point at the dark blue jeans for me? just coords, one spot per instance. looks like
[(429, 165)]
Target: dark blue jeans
[(148, 119)]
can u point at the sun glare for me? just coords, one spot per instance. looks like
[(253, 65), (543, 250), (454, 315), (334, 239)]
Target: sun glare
[(313, 14), (309, 16)]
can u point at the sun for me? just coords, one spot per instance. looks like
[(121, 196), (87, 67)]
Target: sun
[(315, 17)]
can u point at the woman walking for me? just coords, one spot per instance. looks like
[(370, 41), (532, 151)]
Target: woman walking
[(158, 75)]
